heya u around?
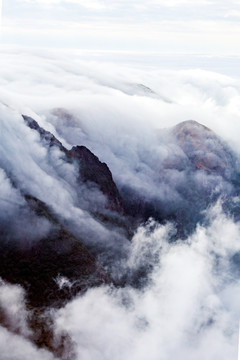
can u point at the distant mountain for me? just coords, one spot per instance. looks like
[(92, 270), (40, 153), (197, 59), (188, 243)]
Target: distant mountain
[(204, 149), (199, 168)]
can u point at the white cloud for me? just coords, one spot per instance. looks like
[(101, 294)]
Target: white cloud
[(15, 347), (14, 330), (191, 306), (185, 310)]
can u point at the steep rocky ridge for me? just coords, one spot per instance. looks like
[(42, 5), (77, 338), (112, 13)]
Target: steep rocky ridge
[(91, 169)]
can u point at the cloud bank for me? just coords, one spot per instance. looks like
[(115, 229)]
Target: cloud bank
[(187, 302), (190, 306), (187, 309)]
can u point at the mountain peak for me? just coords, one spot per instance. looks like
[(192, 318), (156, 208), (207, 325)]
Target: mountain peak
[(205, 150), (191, 127)]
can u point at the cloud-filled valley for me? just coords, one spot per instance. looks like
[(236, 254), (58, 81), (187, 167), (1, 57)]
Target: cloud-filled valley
[(119, 210)]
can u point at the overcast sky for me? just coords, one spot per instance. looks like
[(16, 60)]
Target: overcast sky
[(168, 26)]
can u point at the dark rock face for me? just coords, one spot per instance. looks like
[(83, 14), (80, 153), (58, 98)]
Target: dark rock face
[(46, 136), (41, 265), (91, 169), (52, 270)]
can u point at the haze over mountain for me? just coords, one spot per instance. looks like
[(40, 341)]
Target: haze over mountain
[(119, 219)]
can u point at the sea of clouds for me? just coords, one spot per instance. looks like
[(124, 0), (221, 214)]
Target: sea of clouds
[(189, 306), (189, 309)]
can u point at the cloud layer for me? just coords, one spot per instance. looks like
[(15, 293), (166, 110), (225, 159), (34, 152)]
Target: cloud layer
[(188, 301)]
